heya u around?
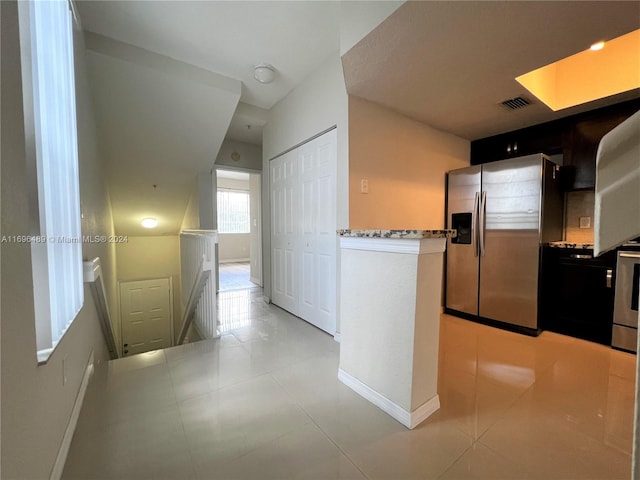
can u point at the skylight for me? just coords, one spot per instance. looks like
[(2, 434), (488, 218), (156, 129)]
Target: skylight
[(588, 75)]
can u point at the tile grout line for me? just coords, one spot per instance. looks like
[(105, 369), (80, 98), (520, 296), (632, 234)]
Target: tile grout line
[(184, 431), (346, 455)]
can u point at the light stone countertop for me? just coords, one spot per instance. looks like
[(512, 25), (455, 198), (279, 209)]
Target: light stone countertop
[(407, 234), (585, 246)]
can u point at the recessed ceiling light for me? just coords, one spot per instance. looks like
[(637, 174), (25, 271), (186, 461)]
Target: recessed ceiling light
[(149, 222), (597, 46)]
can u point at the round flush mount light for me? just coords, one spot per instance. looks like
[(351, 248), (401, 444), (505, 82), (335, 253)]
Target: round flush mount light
[(149, 222), (264, 73), (597, 46)]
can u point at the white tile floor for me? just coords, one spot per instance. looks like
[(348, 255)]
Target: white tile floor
[(235, 276), (263, 402)]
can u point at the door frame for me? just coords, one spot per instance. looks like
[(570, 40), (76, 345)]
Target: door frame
[(259, 255), (171, 316)]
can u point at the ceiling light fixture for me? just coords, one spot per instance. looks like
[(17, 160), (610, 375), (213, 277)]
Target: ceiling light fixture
[(264, 73), (597, 46), (149, 222)]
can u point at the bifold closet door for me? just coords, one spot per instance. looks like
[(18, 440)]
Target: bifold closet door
[(284, 231), (318, 240), (303, 226)]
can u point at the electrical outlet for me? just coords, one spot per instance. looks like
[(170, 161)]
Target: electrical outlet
[(364, 186), (585, 222)]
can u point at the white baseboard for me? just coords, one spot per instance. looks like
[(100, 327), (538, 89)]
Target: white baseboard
[(337, 337), (63, 451), (234, 260), (408, 419)]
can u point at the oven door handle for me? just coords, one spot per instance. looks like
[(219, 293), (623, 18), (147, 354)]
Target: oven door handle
[(629, 254)]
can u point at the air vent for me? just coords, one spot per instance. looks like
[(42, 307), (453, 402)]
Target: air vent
[(515, 103)]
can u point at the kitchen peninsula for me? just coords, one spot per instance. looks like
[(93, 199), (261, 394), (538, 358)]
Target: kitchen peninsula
[(390, 301)]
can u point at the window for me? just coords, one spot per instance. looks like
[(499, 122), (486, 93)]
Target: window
[(46, 37), (233, 211)]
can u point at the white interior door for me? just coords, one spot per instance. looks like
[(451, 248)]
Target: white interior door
[(145, 308), (318, 241), (284, 234), (303, 226)]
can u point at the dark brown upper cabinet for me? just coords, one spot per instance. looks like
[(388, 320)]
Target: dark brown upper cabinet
[(584, 135), (544, 138), (576, 138)]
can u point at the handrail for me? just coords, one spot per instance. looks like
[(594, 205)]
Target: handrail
[(196, 232), (93, 276), (204, 271)]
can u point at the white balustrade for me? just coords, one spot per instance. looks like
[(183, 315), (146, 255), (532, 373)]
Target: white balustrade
[(198, 250)]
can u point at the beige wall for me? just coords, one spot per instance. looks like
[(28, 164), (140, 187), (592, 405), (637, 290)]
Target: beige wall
[(36, 406), (234, 247), (152, 257), (405, 162)]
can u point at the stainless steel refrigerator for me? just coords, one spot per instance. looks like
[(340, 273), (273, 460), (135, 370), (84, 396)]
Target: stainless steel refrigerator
[(503, 211)]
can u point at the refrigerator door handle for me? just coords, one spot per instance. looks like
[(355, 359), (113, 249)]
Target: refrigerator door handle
[(482, 221), (474, 224)]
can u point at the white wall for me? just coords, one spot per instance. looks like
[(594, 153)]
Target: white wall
[(144, 258), (191, 217), (256, 226), (250, 156), (358, 19), (319, 103), (207, 202), (200, 211), (36, 406)]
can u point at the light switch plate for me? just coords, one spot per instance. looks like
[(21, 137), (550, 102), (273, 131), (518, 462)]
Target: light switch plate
[(585, 222), (364, 186)]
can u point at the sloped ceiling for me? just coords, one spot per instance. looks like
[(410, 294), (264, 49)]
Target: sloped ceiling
[(160, 122), (172, 79), (450, 64)]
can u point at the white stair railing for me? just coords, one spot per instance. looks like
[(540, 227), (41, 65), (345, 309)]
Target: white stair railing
[(93, 276), (199, 283), (197, 260)]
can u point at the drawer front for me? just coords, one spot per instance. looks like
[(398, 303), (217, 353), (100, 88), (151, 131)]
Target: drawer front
[(625, 338)]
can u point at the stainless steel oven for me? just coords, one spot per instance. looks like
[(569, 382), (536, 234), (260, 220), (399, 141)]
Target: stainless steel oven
[(625, 310)]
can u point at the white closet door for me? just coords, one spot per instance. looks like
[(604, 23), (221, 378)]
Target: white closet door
[(303, 231), (284, 231), (318, 241)]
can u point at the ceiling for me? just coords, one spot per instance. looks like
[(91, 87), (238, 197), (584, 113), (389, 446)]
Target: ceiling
[(227, 37), (450, 64), (172, 79)]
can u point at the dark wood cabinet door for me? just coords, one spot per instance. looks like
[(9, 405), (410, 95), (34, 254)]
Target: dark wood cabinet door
[(584, 138), (543, 138), (576, 295)]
